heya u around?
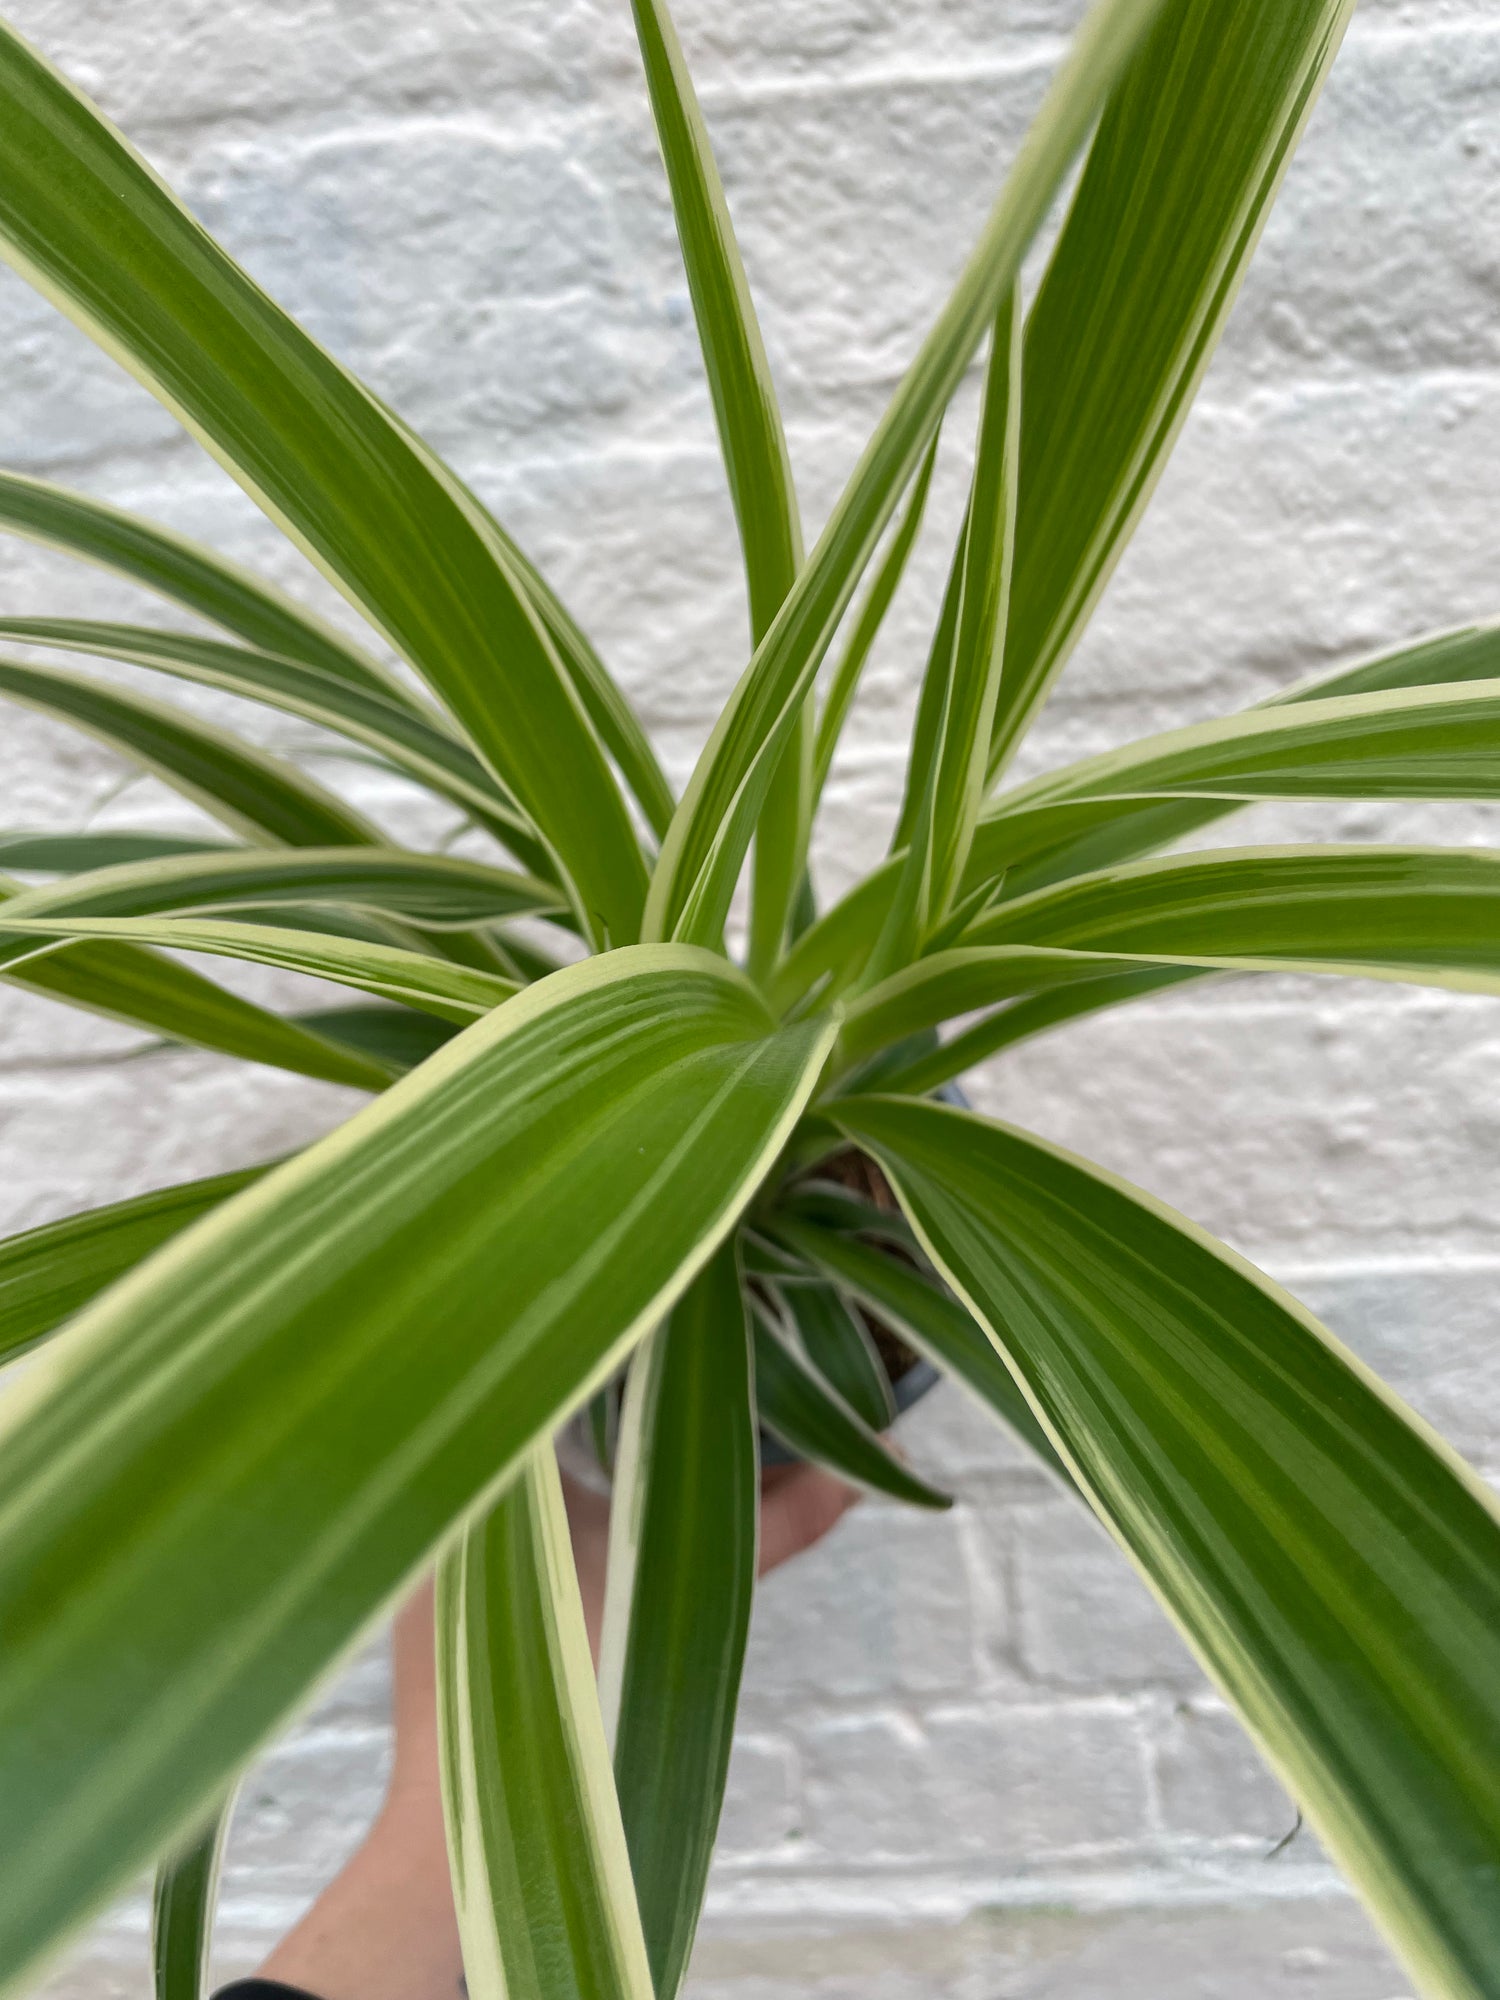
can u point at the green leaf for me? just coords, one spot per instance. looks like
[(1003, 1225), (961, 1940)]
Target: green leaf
[(925, 1317), (706, 843), (682, 1558), (188, 574), (922, 1075), (1179, 180), (541, 1878), (182, 1912), (86, 221), (751, 438), (397, 1036), (837, 1343), (249, 790), (1417, 743), (867, 624), (1430, 916), (46, 1274), (434, 890), (1450, 658), (1425, 913), (945, 781), (810, 1417), (1334, 1566), (126, 983), (454, 992), (72, 853), (414, 744), (214, 1480)]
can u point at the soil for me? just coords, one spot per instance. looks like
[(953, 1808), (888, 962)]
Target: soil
[(859, 1173)]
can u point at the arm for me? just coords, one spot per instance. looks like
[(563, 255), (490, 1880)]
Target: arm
[(384, 1928)]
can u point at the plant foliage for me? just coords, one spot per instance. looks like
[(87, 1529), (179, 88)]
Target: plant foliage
[(263, 1403)]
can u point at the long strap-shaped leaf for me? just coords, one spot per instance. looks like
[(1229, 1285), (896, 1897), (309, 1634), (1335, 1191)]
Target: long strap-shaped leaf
[(682, 1556), (750, 435), (1447, 659), (1179, 180), (46, 1274), (1412, 907), (247, 789), (808, 1414), (429, 889), (933, 1323), (836, 1342), (701, 856), (1426, 915), (89, 224), (217, 1476), (1411, 724), (126, 983), (416, 744), (867, 623), (188, 574), (541, 1876), (945, 780), (1413, 743), (182, 1912), (1336, 1569), (453, 992)]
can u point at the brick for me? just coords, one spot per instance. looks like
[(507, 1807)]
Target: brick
[(1013, 1787), (760, 1801), (894, 1614), (1086, 1619), (1214, 1784)]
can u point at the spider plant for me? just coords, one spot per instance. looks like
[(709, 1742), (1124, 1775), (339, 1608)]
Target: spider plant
[(598, 1135)]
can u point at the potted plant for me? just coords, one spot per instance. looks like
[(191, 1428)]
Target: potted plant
[(275, 1396)]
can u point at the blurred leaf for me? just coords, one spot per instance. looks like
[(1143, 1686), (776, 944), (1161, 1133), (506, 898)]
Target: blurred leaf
[(810, 1417), (541, 1878), (682, 1550), (1335, 1568), (215, 1479)]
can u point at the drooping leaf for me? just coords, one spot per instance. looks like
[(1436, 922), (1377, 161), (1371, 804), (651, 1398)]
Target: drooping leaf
[(1334, 1566), (838, 1344), (808, 1415), (432, 890), (1419, 743), (46, 1274), (407, 741), (1187, 160), (541, 1878), (85, 220), (247, 789), (188, 574), (706, 843), (932, 1322), (240, 1453), (1133, 829), (682, 1556), (72, 853), (454, 992), (182, 1912), (126, 983)]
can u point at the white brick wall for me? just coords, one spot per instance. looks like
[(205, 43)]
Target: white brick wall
[(992, 1770)]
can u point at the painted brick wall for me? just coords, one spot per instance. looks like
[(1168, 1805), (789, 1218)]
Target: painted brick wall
[(974, 1759)]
